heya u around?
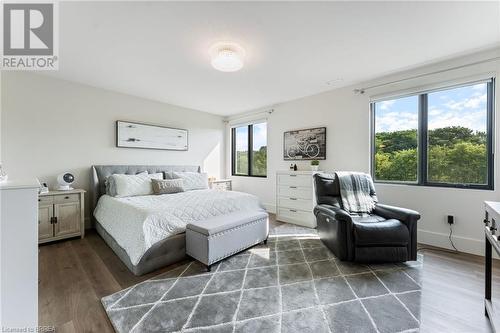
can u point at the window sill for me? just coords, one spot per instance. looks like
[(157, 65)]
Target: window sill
[(439, 186), (248, 176)]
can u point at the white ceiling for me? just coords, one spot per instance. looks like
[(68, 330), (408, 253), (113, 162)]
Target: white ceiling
[(159, 50)]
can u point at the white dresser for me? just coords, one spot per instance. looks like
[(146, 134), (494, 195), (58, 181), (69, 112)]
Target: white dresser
[(295, 197), (18, 255)]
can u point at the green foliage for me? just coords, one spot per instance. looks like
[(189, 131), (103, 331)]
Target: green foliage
[(449, 136), (399, 165), (456, 155), (464, 162), (314, 162), (259, 162), (241, 163), (389, 142)]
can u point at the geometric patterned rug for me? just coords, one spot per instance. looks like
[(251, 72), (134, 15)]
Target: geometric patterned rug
[(292, 284)]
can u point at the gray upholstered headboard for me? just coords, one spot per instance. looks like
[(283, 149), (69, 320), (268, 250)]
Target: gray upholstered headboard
[(99, 173)]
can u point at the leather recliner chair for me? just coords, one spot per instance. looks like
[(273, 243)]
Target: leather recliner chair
[(388, 234)]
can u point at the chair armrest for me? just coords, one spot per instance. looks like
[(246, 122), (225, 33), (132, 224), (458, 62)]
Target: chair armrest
[(333, 212), (403, 214)]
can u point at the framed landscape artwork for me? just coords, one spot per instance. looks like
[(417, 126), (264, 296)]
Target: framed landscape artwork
[(137, 135), (305, 144)]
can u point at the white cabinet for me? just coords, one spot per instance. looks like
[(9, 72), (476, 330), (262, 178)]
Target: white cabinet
[(295, 197), (18, 255), (60, 215)]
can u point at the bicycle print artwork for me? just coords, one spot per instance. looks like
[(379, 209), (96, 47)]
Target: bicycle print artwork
[(306, 144)]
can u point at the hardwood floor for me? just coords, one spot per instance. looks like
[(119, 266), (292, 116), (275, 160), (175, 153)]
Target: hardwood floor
[(75, 274)]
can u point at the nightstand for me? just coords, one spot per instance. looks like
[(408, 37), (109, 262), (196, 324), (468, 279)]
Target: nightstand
[(221, 184), (60, 215)]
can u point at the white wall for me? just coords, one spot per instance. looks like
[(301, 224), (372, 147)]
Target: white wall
[(49, 126), (347, 118)]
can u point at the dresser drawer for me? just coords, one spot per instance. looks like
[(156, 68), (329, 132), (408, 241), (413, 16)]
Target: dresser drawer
[(295, 180), (296, 203), (298, 216), (43, 201), (64, 198), (292, 191)]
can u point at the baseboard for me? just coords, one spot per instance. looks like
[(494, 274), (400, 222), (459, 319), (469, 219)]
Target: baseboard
[(270, 208), (463, 244)]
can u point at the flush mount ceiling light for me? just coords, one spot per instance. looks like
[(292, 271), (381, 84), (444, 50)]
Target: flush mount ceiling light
[(227, 56)]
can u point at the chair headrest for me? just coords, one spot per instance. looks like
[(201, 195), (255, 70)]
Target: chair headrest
[(326, 185)]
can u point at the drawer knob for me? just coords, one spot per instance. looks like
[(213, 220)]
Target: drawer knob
[(293, 186), (293, 210), (293, 198), (293, 175), (66, 197)]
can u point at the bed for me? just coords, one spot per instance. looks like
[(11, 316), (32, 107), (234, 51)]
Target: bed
[(148, 232)]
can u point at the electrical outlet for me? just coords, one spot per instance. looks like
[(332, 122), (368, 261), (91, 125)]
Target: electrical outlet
[(451, 219)]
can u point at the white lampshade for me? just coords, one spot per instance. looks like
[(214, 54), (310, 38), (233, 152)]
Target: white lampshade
[(227, 56)]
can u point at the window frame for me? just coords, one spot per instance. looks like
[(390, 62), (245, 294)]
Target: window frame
[(249, 149), (422, 139)]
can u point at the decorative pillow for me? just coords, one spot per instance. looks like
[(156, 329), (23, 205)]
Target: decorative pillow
[(192, 180), (111, 186), (133, 185), (167, 186)]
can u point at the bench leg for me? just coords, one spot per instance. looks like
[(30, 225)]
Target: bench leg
[(265, 241), (209, 268)]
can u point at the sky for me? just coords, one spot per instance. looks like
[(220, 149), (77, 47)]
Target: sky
[(259, 137), (463, 106)]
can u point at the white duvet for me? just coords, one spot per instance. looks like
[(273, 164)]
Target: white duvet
[(137, 223)]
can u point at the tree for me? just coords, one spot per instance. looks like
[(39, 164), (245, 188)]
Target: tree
[(456, 155), (259, 162)]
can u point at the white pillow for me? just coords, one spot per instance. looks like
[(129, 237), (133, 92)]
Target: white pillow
[(110, 184), (133, 185), (192, 180)]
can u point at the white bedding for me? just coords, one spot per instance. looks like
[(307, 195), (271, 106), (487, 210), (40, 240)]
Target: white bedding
[(137, 223)]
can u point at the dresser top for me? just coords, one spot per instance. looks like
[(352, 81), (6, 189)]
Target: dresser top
[(299, 172), (13, 184), (55, 192)]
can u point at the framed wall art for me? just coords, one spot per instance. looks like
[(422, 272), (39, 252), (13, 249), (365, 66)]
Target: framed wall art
[(138, 135), (305, 144)]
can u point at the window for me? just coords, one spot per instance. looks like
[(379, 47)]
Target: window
[(249, 150), (396, 139), (437, 138)]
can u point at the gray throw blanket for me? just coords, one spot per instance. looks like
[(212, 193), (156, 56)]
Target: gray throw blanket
[(357, 192)]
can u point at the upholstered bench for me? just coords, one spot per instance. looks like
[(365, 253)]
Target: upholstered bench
[(214, 239)]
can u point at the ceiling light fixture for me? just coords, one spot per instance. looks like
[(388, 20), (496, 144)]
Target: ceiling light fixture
[(227, 56)]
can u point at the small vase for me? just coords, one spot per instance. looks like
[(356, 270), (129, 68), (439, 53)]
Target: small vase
[(314, 167)]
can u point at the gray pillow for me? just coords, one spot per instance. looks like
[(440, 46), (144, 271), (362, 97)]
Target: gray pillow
[(167, 186), (110, 186)]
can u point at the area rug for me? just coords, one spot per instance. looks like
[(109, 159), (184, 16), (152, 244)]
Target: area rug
[(292, 284)]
